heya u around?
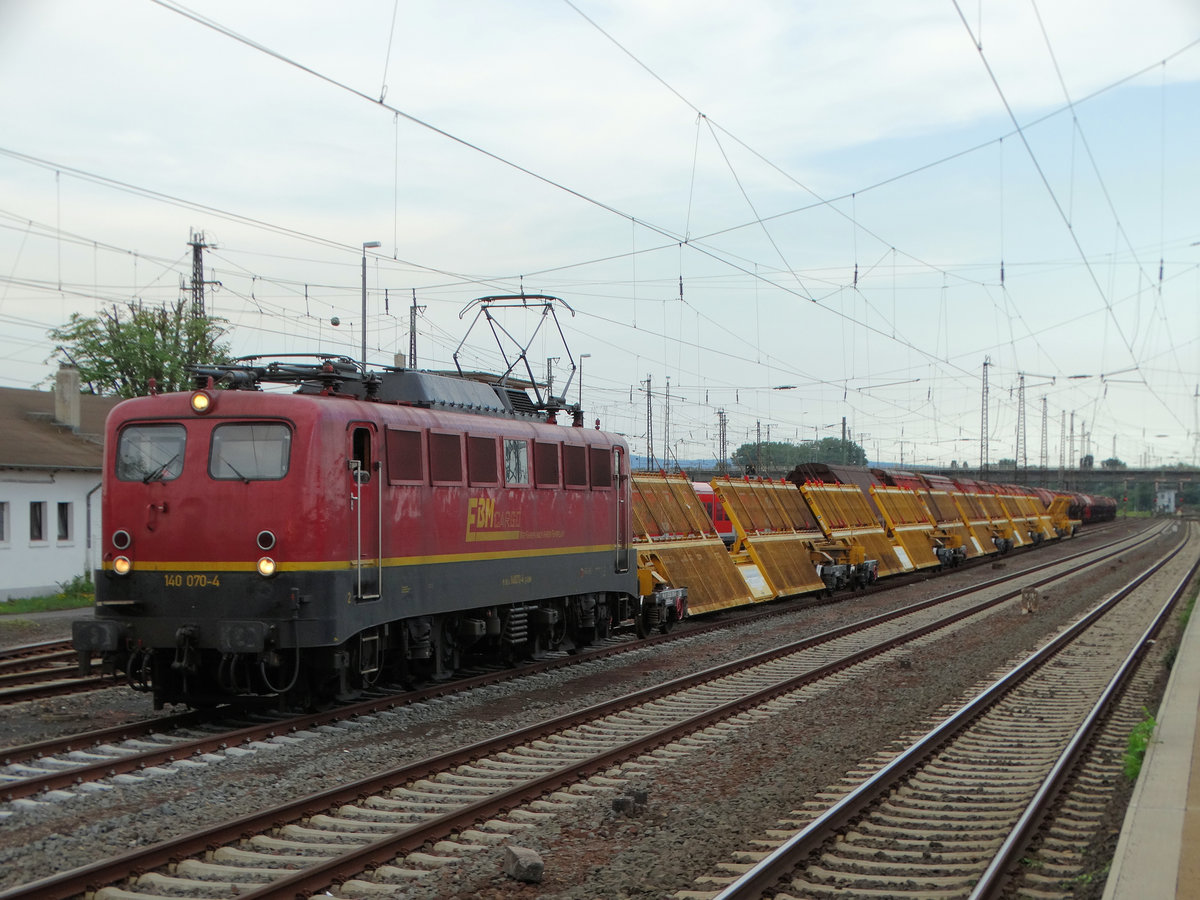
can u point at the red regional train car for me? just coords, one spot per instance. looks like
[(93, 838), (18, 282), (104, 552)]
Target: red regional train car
[(716, 511)]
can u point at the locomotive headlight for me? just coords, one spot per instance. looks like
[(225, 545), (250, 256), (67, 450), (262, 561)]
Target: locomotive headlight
[(266, 567), (202, 402), (122, 565)]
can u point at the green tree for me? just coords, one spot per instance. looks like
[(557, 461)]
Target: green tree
[(118, 351), (1113, 463), (779, 457)]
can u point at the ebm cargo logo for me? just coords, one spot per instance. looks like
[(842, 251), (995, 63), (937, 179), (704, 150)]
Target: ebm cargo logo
[(484, 523)]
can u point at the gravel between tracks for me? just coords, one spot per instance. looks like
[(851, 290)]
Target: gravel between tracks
[(698, 813)]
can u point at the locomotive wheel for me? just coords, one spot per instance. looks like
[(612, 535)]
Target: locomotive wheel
[(558, 633)]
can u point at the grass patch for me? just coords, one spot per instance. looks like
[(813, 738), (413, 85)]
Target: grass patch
[(1189, 606), (75, 594), (1088, 878), (1135, 748)]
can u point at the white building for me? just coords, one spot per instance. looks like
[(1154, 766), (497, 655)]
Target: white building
[(51, 453)]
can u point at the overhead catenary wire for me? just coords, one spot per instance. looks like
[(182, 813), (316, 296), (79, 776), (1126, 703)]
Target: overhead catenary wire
[(755, 265)]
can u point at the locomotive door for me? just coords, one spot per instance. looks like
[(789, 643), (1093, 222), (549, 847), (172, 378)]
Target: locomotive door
[(621, 477), (366, 508)]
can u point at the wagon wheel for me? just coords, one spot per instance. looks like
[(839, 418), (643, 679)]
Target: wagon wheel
[(641, 626), (669, 622)]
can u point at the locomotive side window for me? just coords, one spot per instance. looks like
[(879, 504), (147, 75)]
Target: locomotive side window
[(445, 458), (250, 452), (601, 467), (516, 462), (150, 452), (575, 465), (481, 460), (545, 464), (406, 461)]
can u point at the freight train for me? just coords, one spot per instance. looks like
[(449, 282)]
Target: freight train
[(296, 531)]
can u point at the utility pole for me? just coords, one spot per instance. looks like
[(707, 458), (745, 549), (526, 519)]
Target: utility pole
[(722, 446), (1196, 425), (844, 448), (667, 427), (757, 446), (412, 330), (1062, 450), (650, 462), (1045, 457), (550, 361), (198, 245), (1021, 461), (1074, 461), (983, 423)]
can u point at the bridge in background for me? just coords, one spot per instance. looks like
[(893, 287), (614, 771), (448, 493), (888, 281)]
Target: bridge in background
[(1112, 482)]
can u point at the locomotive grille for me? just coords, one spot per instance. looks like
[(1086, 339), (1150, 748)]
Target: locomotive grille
[(518, 400)]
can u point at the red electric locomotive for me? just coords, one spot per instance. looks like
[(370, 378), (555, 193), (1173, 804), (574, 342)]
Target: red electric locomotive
[(304, 545)]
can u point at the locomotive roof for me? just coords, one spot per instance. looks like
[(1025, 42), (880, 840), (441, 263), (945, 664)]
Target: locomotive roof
[(476, 393)]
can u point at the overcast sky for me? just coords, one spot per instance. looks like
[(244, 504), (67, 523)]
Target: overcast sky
[(794, 211)]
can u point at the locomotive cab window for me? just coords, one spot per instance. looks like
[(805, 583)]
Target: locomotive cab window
[(150, 452), (250, 452), (516, 462)]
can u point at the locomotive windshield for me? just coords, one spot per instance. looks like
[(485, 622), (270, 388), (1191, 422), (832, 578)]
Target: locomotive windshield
[(150, 453), (250, 451)]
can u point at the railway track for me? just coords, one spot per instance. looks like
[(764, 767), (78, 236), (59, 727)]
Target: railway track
[(955, 813), (483, 794), (12, 658), (44, 669), (48, 770)]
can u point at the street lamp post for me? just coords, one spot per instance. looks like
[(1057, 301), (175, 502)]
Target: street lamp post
[(582, 357), (366, 246)]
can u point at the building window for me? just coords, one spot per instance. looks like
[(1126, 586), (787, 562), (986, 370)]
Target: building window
[(4, 523), (37, 521), (64, 521)]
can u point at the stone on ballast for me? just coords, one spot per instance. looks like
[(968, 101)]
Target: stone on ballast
[(523, 864)]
